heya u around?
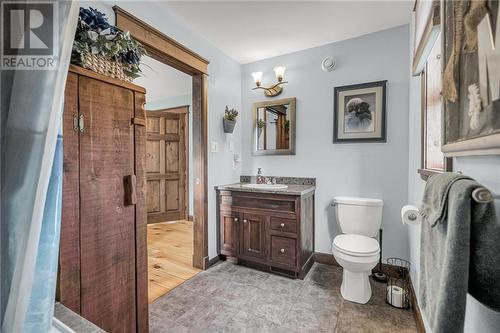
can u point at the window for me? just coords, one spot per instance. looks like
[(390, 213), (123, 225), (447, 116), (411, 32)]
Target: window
[(432, 160)]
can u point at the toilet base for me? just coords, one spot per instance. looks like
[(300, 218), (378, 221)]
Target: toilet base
[(356, 286)]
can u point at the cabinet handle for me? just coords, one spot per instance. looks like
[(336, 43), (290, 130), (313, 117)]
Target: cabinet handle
[(282, 250), (282, 225), (245, 221), (81, 123), (129, 184), (235, 219), (75, 122)]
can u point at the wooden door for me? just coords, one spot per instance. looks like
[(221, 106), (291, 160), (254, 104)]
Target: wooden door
[(68, 291), (253, 236), (166, 164), (107, 227), (229, 222)]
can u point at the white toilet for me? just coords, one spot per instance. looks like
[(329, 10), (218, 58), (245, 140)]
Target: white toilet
[(355, 249)]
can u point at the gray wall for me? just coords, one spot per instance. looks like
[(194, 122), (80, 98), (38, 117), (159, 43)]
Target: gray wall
[(484, 169), (224, 88), (376, 170)]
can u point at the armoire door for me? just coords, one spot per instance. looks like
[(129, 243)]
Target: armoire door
[(107, 225), (253, 236), (166, 164)]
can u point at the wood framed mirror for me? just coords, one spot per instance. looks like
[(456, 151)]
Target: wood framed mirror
[(274, 127)]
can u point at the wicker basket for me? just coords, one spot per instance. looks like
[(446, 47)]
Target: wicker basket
[(104, 66)]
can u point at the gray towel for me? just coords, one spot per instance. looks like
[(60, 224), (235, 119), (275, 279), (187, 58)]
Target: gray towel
[(460, 246)]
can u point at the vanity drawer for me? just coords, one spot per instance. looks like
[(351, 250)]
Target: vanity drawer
[(264, 203), (281, 224), (283, 251)]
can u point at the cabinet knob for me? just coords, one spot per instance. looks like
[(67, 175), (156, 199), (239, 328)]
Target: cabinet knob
[(245, 221), (235, 219), (282, 225), (282, 250)]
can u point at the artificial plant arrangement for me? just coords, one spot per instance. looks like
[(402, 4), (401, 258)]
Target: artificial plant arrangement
[(229, 121), (104, 48), (261, 124)]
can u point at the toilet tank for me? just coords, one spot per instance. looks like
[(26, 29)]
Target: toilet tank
[(361, 216)]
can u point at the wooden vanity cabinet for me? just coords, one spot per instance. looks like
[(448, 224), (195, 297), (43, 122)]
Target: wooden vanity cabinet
[(272, 231)]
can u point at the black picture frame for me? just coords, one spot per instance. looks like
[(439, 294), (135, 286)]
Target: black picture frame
[(336, 108)]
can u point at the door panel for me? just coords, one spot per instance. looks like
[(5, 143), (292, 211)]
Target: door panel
[(253, 236), (69, 262), (107, 226), (167, 165), (229, 232)]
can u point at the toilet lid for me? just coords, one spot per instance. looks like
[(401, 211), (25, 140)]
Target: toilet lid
[(356, 244)]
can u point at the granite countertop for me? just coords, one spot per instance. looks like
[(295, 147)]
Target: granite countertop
[(290, 190)]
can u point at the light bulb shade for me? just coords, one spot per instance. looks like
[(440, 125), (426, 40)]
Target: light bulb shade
[(280, 72), (257, 77)]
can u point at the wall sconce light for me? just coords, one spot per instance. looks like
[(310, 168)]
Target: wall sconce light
[(276, 88)]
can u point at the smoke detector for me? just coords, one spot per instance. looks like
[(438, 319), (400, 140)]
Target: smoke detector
[(328, 64)]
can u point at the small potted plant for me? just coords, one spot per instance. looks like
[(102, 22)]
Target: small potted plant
[(230, 116), (260, 126)]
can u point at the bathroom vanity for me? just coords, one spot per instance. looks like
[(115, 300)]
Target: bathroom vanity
[(268, 227)]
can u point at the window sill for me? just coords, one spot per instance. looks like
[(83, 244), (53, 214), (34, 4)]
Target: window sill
[(426, 173)]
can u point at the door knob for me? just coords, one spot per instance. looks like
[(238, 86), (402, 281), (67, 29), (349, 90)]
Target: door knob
[(245, 221), (235, 219), (282, 250), (282, 225)]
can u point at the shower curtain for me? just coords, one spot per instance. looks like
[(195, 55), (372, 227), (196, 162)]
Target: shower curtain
[(31, 183)]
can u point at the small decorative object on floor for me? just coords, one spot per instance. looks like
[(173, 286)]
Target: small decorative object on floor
[(105, 49), (230, 116), (398, 290), (378, 274)]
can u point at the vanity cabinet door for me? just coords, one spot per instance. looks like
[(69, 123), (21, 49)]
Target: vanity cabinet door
[(253, 236), (229, 232)]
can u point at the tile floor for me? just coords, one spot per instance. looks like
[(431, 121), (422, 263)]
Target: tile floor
[(232, 298)]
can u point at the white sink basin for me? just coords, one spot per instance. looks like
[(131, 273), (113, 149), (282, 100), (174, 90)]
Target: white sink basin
[(265, 186)]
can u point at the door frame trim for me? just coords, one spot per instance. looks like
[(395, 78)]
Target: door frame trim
[(165, 49)]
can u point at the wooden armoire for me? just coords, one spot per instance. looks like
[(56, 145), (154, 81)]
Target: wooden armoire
[(103, 254)]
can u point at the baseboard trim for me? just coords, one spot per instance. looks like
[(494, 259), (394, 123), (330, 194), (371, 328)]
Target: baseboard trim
[(325, 258), (416, 310), (213, 261)]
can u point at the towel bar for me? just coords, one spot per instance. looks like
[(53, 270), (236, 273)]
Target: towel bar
[(483, 195)]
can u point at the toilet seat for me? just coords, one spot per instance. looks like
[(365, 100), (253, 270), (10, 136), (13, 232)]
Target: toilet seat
[(356, 245)]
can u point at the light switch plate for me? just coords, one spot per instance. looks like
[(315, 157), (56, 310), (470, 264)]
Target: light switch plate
[(214, 147)]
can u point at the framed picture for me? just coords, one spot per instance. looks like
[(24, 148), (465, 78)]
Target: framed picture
[(359, 113), (471, 78)]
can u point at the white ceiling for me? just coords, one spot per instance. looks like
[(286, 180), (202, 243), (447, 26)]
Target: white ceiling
[(162, 81), (249, 31)]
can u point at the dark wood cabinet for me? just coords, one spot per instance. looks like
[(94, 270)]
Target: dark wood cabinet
[(253, 236), (270, 231), (102, 262), (229, 236)]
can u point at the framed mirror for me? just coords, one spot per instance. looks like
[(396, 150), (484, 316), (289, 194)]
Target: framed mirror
[(274, 127)]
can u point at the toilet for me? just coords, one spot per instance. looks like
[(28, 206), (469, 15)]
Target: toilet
[(356, 249)]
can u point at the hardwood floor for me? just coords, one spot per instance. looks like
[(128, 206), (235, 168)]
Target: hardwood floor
[(170, 255)]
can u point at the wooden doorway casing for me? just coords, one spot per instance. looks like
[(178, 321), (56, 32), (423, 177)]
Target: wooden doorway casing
[(167, 164), (165, 49)]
